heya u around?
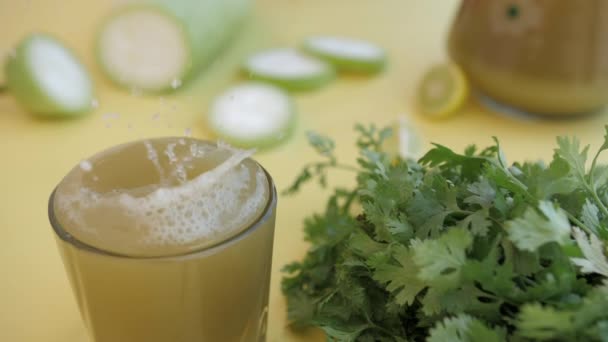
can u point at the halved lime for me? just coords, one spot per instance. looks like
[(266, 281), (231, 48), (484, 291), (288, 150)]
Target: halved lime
[(443, 90)]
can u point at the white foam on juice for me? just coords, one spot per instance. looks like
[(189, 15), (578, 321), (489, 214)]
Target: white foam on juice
[(211, 206), (206, 206)]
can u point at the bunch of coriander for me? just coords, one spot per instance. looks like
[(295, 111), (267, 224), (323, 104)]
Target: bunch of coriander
[(455, 247)]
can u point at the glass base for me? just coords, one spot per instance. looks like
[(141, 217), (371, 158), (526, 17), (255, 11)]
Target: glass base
[(517, 113)]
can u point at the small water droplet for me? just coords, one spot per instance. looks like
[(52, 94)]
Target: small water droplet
[(135, 91), (155, 117), (130, 126), (111, 116), (86, 166), (188, 132), (108, 125), (169, 125), (94, 103), (176, 83)]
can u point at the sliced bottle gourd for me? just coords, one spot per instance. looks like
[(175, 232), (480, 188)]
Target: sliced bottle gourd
[(347, 54), (252, 114), (289, 69), (157, 45), (47, 79)]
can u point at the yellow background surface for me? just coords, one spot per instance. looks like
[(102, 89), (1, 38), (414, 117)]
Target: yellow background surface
[(36, 303)]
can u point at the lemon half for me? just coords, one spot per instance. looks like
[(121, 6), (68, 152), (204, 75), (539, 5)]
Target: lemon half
[(442, 91)]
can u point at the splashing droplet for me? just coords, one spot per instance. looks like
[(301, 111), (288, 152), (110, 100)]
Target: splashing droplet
[(188, 132), (94, 103), (176, 83), (111, 116), (135, 91)]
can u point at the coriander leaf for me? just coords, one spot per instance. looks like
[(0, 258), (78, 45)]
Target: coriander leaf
[(605, 144), (300, 309), (491, 276), (468, 298), (535, 229), (347, 301), (593, 307), (593, 249), (431, 302), (382, 197), (426, 213), (569, 149), (502, 177), (595, 177), (478, 222), (344, 333), (400, 279), (365, 279), (432, 226), (543, 323), (400, 225), (524, 263), (377, 215), (464, 328), (590, 216), (479, 332), (431, 203), (303, 177), (446, 159), (363, 245), (372, 138), (439, 297), (545, 182), (323, 145), (556, 180), (443, 255), (451, 330), (482, 193), (600, 176)]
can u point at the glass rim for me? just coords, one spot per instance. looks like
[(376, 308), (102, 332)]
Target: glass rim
[(264, 216)]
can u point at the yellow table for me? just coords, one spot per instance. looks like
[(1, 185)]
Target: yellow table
[(36, 303)]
